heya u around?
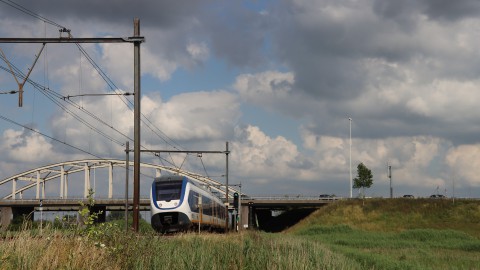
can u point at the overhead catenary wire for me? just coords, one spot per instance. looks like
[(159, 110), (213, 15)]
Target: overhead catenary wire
[(57, 140), (127, 102), (103, 75), (146, 121), (204, 168), (9, 92), (31, 13), (47, 136), (55, 97)]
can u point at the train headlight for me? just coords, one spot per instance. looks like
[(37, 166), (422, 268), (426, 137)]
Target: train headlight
[(175, 204), (159, 205)]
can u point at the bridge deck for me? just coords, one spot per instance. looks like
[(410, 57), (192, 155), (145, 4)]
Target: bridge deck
[(118, 204)]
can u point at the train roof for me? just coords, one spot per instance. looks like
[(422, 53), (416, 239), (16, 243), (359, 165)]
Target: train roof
[(167, 178)]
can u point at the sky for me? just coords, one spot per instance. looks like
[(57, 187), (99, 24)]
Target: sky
[(278, 80)]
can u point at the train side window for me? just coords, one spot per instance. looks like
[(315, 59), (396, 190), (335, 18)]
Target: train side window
[(193, 201)]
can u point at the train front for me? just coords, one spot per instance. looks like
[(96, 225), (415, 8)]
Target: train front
[(169, 212)]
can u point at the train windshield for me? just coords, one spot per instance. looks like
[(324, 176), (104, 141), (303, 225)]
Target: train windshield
[(167, 191)]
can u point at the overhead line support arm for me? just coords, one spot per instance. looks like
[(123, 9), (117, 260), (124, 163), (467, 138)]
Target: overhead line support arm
[(73, 40)]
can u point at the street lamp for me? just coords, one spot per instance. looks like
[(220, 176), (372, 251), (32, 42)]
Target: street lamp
[(350, 166)]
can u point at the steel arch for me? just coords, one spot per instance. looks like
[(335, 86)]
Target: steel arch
[(39, 176)]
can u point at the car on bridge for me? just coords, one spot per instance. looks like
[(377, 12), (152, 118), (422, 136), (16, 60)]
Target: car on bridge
[(326, 196)]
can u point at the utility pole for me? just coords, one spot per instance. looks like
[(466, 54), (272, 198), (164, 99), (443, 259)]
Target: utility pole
[(136, 40), (390, 176), (136, 116), (127, 172), (350, 164), (226, 181)]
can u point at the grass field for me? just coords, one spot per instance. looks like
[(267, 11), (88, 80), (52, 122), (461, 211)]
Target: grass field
[(248, 250), (399, 234), (377, 234)]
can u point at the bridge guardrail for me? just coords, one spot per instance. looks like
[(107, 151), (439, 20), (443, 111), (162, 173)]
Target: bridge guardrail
[(290, 197)]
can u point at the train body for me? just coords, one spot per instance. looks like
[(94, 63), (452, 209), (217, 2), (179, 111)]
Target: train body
[(179, 204)]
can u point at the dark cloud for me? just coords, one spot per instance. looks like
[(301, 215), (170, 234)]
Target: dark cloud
[(327, 53), (234, 31), (442, 10), (164, 14), (237, 34)]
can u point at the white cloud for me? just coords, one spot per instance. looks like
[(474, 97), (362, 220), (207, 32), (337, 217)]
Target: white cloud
[(25, 147), (266, 88), (196, 115), (198, 51), (416, 161), (258, 156), (464, 162)]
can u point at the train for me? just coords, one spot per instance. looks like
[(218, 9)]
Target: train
[(180, 204)]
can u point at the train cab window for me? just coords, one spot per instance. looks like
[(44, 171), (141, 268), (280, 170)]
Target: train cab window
[(167, 191), (193, 201)]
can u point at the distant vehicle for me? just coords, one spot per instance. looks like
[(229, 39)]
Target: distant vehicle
[(409, 196), (326, 196), (437, 196)]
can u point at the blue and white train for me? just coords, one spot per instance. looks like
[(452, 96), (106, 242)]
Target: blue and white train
[(179, 204)]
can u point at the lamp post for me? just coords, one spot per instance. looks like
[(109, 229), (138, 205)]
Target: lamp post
[(350, 165), (390, 177)]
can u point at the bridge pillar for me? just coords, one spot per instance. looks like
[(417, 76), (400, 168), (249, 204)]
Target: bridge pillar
[(38, 186), (62, 182), (5, 217), (86, 180), (243, 223), (110, 180), (252, 217)]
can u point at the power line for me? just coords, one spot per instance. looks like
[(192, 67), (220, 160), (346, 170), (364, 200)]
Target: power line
[(205, 169), (31, 13), (55, 97), (45, 135), (57, 140), (107, 80)]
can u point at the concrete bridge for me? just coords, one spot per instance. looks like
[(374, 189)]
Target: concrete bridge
[(26, 193), (255, 212)]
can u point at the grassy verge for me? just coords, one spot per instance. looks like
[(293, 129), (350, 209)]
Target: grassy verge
[(410, 249), (249, 250), (387, 215), (399, 234)]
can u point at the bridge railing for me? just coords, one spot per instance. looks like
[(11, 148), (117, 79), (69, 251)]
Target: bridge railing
[(290, 197)]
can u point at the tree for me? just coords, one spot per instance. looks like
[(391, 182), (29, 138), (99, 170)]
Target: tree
[(364, 178)]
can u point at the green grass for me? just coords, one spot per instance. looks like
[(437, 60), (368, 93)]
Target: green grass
[(380, 234), (411, 249), (247, 250), (400, 214), (399, 234)]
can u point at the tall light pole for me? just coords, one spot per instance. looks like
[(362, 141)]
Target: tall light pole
[(350, 166), (390, 176)]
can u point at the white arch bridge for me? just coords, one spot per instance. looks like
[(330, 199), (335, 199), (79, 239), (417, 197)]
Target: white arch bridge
[(28, 192), (23, 193), (38, 178)]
